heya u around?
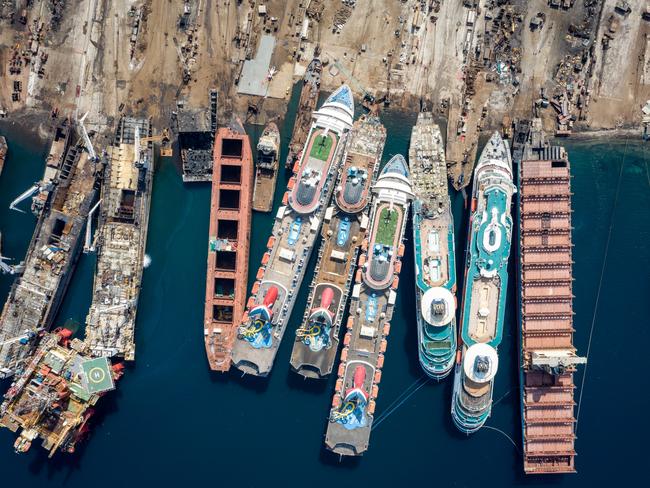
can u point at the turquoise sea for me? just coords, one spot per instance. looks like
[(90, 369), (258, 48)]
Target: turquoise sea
[(172, 422)]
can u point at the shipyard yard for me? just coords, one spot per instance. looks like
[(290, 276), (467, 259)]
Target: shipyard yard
[(413, 219)]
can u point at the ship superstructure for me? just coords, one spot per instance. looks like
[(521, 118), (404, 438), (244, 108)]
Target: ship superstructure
[(306, 106), (35, 296), (229, 242), (484, 293), (52, 398), (126, 198), (433, 241), (344, 228), (296, 226), (548, 357), (266, 168), (371, 309)]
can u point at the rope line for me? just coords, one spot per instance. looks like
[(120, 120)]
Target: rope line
[(399, 397), (503, 433), (600, 282), (388, 412)]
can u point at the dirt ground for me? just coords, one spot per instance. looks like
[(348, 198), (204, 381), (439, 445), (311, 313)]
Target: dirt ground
[(96, 61)]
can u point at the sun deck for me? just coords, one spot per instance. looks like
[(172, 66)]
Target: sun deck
[(315, 166)]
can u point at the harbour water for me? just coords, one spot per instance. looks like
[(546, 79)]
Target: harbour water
[(172, 422)]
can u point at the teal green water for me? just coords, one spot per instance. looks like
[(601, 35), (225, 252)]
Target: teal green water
[(172, 422)]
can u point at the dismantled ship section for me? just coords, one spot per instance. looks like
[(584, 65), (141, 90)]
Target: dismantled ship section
[(230, 227), (196, 128), (52, 398), (63, 206), (546, 307), (126, 197)]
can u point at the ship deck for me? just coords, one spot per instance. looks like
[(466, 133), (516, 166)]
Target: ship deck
[(229, 242), (546, 310), (306, 106), (487, 273), (316, 163), (264, 190), (126, 198), (344, 228), (61, 375), (35, 296), (365, 341)]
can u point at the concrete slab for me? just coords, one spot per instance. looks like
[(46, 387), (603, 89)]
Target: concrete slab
[(254, 73)]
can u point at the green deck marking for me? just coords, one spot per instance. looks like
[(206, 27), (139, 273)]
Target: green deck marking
[(386, 227), (321, 147), (98, 375)]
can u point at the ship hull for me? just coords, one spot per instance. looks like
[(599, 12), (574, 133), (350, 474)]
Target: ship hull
[(313, 354), (296, 227), (306, 106), (484, 293), (266, 171), (36, 296), (372, 306), (228, 248)]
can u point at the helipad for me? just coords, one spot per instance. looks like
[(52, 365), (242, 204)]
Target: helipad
[(98, 377)]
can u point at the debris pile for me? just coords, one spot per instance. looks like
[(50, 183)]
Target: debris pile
[(56, 10)]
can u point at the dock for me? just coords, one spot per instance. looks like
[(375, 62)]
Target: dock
[(344, 228), (36, 295), (124, 219), (371, 308), (296, 227), (548, 357), (229, 243)]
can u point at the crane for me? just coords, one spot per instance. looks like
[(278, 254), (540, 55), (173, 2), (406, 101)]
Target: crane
[(87, 142), (24, 196), (163, 138), (24, 338), (9, 269), (88, 245)]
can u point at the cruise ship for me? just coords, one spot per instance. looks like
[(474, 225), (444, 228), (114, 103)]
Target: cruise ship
[(433, 240), (345, 226), (371, 309), (296, 227), (486, 280)]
